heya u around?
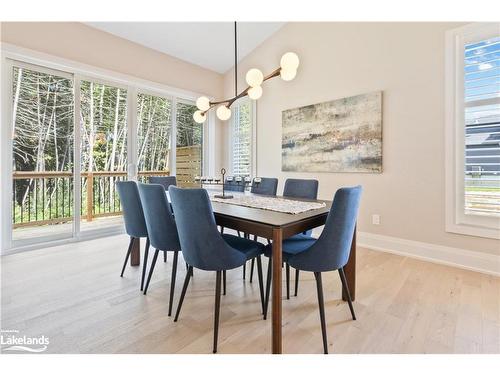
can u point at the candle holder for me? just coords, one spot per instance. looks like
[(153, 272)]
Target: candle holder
[(223, 196)]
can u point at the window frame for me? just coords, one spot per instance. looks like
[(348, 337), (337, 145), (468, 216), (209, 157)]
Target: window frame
[(12, 55), (253, 136), (457, 221)]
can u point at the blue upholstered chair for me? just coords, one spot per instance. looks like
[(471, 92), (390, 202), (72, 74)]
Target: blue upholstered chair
[(161, 228), (329, 252), (133, 216), (234, 186), (164, 181), (205, 248), (302, 189), (266, 186)]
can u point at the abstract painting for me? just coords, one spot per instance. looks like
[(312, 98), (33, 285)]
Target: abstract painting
[(343, 135)]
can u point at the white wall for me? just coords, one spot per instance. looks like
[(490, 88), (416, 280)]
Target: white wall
[(406, 62)]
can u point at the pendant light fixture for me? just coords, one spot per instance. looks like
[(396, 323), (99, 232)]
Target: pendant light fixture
[(254, 78)]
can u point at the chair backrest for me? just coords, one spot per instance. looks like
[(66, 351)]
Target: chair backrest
[(165, 181), (234, 186), (133, 215), (159, 220), (300, 188), (202, 245), (331, 250), (266, 186)]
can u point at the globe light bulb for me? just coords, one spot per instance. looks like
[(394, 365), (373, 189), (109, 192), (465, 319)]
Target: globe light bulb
[(203, 103), (254, 77), (199, 117), (223, 113), (288, 74), (289, 61), (255, 92)]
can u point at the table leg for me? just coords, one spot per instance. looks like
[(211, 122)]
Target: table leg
[(135, 254), (276, 303), (350, 270)]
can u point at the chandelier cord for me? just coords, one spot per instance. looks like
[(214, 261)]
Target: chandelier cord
[(235, 61)]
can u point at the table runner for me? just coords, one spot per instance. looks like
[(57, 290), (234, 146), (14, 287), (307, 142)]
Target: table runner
[(284, 205)]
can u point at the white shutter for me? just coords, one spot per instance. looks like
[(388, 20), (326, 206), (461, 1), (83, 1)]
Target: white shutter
[(241, 147)]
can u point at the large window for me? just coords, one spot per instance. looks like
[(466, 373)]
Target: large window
[(473, 130), (241, 138), (74, 134)]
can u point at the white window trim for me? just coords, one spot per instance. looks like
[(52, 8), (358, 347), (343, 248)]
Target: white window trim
[(253, 140), (77, 71), (456, 219)]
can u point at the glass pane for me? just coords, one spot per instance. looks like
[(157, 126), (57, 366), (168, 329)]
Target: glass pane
[(42, 141), (189, 149), (482, 128), (154, 124), (103, 153), (242, 140)]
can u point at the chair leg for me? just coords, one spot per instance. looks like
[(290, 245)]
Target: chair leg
[(296, 282), (164, 257), (224, 282), (287, 281), (268, 287), (239, 234), (144, 266), (244, 270), (183, 293), (172, 282), (251, 269), (321, 303), (127, 256), (261, 282), (217, 309), (153, 263), (346, 290), (221, 230)]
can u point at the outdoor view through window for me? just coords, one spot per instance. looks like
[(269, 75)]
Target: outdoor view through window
[(482, 127)]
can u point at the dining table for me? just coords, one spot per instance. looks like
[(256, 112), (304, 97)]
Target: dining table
[(275, 226)]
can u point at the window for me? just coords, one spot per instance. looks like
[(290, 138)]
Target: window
[(242, 134), (473, 130)]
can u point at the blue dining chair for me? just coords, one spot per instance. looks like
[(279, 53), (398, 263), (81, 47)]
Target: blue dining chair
[(164, 181), (266, 186), (161, 228), (329, 252), (133, 216), (205, 248), (302, 189)]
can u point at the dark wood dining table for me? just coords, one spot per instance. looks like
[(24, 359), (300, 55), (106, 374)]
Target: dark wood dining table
[(275, 226)]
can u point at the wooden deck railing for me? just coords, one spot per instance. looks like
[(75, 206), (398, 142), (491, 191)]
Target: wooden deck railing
[(41, 198)]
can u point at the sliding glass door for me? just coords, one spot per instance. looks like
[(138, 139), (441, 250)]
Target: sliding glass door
[(42, 154)]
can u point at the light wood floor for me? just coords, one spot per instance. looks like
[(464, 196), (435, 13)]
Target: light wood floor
[(73, 294)]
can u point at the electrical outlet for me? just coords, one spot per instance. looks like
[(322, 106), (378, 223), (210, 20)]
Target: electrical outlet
[(376, 219)]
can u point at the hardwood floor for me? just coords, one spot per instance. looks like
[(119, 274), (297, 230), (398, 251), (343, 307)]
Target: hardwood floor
[(73, 294)]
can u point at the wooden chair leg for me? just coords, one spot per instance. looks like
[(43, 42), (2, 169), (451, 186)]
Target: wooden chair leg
[(144, 266), (261, 282), (268, 287), (287, 281), (296, 282), (321, 303), (217, 309), (224, 282), (153, 263), (251, 269), (183, 293), (172, 282), (346, 290), (127, 256), (164, 257)]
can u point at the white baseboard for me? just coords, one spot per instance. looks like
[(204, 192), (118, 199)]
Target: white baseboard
[(450, 256)]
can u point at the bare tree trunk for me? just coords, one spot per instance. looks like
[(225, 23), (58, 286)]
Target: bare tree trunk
[(16, 100)]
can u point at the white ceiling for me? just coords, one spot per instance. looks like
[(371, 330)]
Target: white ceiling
[(208, 44)]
